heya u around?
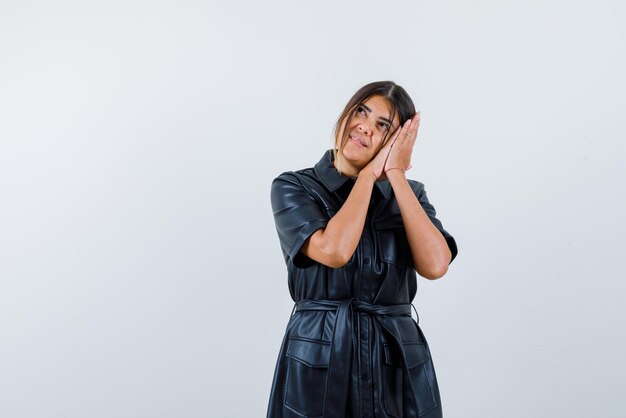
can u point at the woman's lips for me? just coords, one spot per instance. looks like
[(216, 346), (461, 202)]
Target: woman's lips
[(357, 140)]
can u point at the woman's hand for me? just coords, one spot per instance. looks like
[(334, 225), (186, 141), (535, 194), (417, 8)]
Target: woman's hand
[(403, 141), (376, 165)]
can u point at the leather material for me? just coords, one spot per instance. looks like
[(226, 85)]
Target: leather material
[(351, 348)]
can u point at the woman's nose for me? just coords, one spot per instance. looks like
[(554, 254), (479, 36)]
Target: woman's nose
[(365, 129)]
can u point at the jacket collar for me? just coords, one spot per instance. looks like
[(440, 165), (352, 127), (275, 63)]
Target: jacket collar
[(333, 179)]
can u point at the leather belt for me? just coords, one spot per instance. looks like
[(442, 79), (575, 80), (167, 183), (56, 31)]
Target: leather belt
[(343, 343)]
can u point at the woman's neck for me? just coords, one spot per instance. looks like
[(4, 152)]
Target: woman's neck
[(347, 169)]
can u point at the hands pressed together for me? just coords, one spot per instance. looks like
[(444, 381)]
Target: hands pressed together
[(396, 154)]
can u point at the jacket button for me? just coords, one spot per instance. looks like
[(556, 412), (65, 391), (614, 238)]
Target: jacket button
[(366, 260)]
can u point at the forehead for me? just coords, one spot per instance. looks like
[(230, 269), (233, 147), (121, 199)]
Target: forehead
[(378, 104)]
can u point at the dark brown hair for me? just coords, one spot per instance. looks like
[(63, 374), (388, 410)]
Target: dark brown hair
[(398, 98)]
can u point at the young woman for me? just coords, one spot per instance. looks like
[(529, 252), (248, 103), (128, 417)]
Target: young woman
[(354, 231)]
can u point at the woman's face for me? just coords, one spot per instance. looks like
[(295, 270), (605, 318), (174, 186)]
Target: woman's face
[(368, 126)]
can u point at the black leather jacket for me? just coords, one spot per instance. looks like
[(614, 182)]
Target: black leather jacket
[(351, 347)]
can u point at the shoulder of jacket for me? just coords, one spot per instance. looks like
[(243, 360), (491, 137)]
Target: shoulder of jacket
[(295, 177), (294, 174)]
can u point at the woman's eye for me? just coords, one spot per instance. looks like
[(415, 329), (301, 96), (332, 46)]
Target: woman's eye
[(384, 125), (360, 109)]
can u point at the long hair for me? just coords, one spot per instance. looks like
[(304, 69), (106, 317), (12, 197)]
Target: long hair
[(398, 98)]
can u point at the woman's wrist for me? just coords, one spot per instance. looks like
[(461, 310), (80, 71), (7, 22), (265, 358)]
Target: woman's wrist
[(395, 173), (368, 175)]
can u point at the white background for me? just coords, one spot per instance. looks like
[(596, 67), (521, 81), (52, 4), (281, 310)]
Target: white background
[(140, 270)]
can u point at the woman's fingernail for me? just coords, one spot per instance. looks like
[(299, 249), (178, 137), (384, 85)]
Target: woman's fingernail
[(407, 122)]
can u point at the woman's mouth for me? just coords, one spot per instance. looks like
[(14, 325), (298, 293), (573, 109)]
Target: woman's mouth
[(357, 141)]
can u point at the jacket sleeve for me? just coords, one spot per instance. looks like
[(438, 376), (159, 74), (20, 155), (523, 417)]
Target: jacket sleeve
[(432, 214), (297, 216)]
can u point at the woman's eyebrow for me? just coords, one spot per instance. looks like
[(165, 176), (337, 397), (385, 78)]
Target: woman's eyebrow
[(380, 117)]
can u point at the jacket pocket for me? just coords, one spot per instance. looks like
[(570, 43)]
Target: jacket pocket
[(397, 390), (307, 370), (393, 242)]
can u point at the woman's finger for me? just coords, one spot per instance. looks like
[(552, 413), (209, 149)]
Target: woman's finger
[(405, 130), (411, 128), (391, 141), (393, 137), (415, 127), (415, 120), (418, 119)]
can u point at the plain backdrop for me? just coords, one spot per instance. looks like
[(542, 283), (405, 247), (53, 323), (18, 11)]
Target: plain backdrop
[(140, 269)]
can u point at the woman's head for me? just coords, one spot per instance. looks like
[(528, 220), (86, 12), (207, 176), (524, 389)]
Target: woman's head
[(367, 122)]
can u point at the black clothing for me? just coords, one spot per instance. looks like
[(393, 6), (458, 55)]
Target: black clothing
[(351, 348)]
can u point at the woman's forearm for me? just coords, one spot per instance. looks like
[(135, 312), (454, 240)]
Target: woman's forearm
[(343, 232), (429, 249)]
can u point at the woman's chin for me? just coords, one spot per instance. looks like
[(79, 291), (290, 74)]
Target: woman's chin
[(355, 159)]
